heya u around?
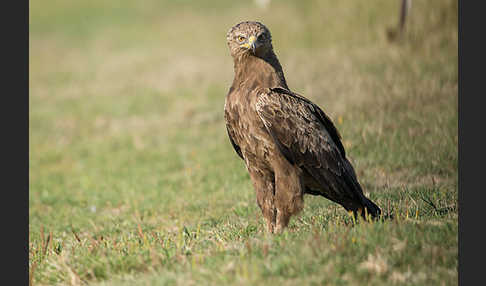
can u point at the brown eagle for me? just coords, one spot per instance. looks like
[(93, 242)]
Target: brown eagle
[(289, 145)]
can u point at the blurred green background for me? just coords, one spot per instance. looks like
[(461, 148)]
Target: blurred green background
[(132, 177)]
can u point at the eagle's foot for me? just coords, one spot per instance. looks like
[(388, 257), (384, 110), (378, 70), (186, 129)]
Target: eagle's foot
[(270, 226), (269, 217), (279, 229), (282, 221)]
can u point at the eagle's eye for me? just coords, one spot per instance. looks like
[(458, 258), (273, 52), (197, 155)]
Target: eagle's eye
[(240, 39)]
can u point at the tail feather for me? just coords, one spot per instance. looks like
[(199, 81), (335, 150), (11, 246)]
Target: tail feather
[(344, 190), (352, 182), (372, 208)]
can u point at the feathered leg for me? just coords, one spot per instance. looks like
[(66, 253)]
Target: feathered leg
[(289, 193), (265, 189)]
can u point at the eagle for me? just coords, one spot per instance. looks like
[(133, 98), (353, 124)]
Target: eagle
[(289, 145)]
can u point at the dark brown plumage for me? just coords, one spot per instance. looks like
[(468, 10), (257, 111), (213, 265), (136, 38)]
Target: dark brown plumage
[(289, 145)]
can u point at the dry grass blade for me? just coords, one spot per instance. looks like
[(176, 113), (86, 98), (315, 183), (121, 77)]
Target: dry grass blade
[(140, 232), (31, 273), (76, 235), (42, 236), (46, 245)]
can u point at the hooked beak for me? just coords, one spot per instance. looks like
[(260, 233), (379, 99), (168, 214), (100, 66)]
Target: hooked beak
[(252, 44)]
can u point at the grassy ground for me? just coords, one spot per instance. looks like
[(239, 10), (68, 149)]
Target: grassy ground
[(133, 180)]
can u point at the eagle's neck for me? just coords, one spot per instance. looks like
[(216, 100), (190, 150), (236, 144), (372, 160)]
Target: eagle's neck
[(252, 71)]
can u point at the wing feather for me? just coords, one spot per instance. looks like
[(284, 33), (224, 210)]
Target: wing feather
[(231, 135), (307, 137), (229, 124), (235, 146)]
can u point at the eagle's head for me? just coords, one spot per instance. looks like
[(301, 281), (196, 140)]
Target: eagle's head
[(251, 38)]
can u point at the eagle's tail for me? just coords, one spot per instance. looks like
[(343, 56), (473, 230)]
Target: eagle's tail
[(352, 183), (371, 208)]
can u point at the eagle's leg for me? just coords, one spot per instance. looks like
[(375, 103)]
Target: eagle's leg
[(264, 188), (289, 193)]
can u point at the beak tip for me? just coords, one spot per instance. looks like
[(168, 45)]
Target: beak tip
[(253, 43)]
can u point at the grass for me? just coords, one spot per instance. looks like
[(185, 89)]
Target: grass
[(134, 182)]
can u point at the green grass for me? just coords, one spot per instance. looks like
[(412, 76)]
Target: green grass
[(133, 180)]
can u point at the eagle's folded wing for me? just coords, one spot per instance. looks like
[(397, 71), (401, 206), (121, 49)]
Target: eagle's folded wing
[(308, 138)]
